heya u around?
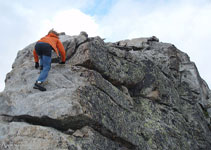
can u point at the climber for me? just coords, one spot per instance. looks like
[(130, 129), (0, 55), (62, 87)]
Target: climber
[(42, 51)]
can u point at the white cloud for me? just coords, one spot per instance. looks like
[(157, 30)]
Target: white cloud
[(72, 22)]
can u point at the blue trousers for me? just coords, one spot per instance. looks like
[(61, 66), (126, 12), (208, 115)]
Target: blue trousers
[(45, 61), (44, 52)]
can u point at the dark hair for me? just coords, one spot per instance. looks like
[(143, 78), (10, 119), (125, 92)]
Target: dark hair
[(54, 32)]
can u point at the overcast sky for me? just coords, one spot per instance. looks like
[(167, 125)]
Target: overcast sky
[(184, 23)]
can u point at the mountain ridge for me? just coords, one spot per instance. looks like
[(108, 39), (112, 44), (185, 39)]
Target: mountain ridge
[(130, 94)]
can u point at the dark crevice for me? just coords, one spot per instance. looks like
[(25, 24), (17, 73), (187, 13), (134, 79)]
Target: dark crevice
[(77, 46), (66, 77), (87, 40), (128, 48), (119, 105), (143, 96), (67, 47), (89, 66), (146, 81), (107, 133), (144, 137), (158, 102), (169, 106), (161, 103), (125, 58), (165, 74), (188, 100), (72, 122), (195, 92), (205, 112)]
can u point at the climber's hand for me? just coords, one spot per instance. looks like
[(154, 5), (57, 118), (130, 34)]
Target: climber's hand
[(36, 65), (62, 62)]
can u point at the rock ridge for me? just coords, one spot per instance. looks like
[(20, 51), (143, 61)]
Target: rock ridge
[(137, 94)]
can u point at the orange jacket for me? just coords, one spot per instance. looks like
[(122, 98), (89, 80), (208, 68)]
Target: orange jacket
[(54, 41)]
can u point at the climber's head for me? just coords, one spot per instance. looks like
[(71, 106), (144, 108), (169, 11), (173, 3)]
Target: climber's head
[(54, 32)]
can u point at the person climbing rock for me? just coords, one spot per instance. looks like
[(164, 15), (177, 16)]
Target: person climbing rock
[(42, 56)]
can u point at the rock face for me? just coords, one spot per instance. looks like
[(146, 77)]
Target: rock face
[(138, 94)]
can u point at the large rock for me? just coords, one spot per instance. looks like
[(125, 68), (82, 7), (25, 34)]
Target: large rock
[(23, 136), (132, 94)]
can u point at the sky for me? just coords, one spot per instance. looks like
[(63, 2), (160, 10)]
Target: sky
[(184, 23)]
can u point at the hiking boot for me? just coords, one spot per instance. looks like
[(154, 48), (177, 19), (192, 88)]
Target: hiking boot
[(39, 85)]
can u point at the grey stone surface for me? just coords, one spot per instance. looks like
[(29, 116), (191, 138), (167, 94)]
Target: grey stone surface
[(133, 94), (15, 136)]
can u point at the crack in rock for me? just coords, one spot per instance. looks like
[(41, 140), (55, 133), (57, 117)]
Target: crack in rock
[(70, 123)]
